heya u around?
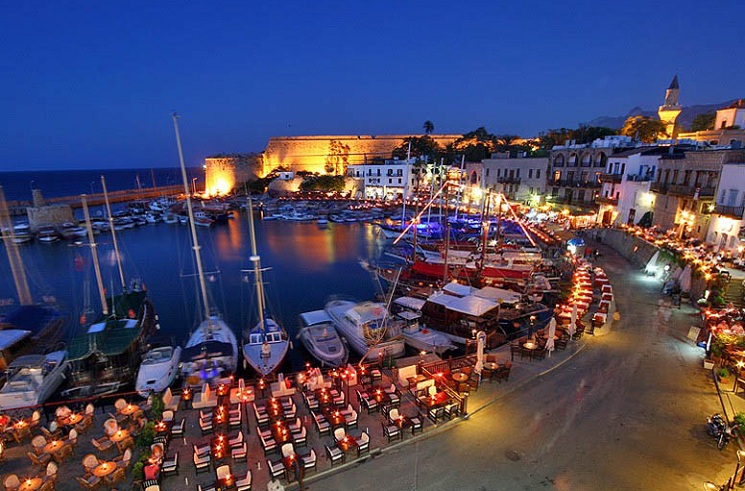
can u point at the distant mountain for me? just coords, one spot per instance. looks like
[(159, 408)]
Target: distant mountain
[(685, 119)]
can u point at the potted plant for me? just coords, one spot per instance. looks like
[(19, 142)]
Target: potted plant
[(138, 474), (708, 363), (723, 376)]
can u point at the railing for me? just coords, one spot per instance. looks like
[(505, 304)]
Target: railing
[(606, 200), (639, 178), (508, 180), (659, 187), (680, 190), (611, 177), (730, 211), (575, 184)]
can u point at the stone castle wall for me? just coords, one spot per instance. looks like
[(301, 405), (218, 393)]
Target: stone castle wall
[(311, 153)]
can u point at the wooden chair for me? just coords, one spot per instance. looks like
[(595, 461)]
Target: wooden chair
[(91, 482), (239, 454), (90, 462), (39, 460), (124, 459), (363, 443), (334, 455), (51, 473), (118, 475), (244, 483), (276, 469), (170, 465), (38, 443), (11, 482), (503, 373), (103, 444), (309, 461), (515, 350)]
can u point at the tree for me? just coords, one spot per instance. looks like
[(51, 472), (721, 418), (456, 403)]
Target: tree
[(644, 128), (338, 158), (422, 147), (476, 145), (429, 127), (583, 134), (704, 121)]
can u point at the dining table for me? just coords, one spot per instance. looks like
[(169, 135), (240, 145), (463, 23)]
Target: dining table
[(30, 484), (119, 436), (70, 420), (334, 417), (347, 444), (129, 409), (492, 365), (104, 469), (53, 446), (226, 483), (436, 400), (280, 433), (459, 376)]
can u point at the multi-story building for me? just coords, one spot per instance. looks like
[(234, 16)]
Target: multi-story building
[(726, 231), (575, 170), (389, 180), (520, 179), (684, 187), (624, 193)]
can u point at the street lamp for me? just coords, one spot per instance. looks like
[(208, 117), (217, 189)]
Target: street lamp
[(532, 325), (194, 186)]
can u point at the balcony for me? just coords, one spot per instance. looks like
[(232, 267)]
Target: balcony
[(659, 187), (639, 178), (606, 200), (616, 178), (508, 180), (735, 212), (575, 184), (691, 191)]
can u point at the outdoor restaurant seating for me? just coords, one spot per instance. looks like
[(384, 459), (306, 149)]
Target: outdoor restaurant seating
[(236, 440), (90, 482), (334, 454), (363, 443), (206, 487), (244, 483), (309, 461), (239, 453), (90, 462), (170, 465), (124, 459), (295, 426), (40, 460), (170, 402), (52, 472), (276, 469), (38, 443), (11, 482), (268, 444), (323, 426), (436, 414), (339, 435), (201, 462), (392, 432), (206, 398), (178, 428), (351, 419), (300, 439)]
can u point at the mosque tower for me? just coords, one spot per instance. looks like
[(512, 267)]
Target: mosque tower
[(669, 112)]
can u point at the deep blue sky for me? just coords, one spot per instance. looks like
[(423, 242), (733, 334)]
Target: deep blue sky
[(92, 85)]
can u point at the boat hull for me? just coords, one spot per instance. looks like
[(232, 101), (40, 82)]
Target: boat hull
[(158, 377)]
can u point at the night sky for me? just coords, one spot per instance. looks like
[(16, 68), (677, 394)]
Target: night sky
[(93, 84)]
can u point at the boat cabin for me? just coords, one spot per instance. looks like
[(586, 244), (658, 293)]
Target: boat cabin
[(13, 342)]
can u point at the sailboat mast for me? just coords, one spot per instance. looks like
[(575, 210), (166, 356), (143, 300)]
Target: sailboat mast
[(113, 234), (94, 253), (192, 226), (256, 260), (14, 255)]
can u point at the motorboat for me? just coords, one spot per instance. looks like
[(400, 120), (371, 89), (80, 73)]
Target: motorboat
[(417, 335), (265, 345), (32, 379), (367, 328), (158, 370), (319, 337), (212, 349), (47, 235)]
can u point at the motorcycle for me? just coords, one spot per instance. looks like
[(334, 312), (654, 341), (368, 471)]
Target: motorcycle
[(718, 427)]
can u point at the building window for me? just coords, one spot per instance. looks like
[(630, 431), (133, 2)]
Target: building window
[(559, 161), (487, 172), (399, 181), (538, 173), (557, 175), (499, 172), (530, 174)]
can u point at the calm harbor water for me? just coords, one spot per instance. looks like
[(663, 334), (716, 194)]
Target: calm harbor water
[(305, 265)]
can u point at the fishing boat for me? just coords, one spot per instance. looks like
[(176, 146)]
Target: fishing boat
[(415, 334), (104, 355), (211, 351), (367, 328), (158, 370), (32, 379), (320, 339), (266, 344)]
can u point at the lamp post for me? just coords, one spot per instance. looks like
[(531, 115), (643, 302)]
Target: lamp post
[(194, 186), (531, 326)]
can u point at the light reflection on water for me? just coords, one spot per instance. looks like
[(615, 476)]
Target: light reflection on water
[(305, 264)]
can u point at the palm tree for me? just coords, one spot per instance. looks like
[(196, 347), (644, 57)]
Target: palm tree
[(429, 127)]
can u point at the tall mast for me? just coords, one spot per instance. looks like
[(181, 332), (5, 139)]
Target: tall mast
[(14, 255), (460, 184), (94, 254), (113, 234), (194, 240), (256, 260)]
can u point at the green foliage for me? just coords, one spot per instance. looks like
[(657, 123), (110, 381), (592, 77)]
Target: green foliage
[(740, 419), (723, 372), (428, 126), (323, 183), (138, 471), (157, 406), (704, 121), (582, 134), (145, 439), (422, 147), (643, 128)]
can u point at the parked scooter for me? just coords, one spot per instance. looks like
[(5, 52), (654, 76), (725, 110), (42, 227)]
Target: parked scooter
[(718, 427)]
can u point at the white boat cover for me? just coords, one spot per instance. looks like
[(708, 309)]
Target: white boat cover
[(315, 317), (409, 315), (441, 298), (458, 289), (472, 305), (498, 295), (410, 303)]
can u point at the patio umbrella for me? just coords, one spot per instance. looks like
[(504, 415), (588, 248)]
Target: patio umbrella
[(481, 341), (573, 321), (685, 279), (551, 334), (651, 267), (676, 274)]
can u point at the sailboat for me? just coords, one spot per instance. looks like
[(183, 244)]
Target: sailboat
[(265, 345), (212, 349), (103, 357)]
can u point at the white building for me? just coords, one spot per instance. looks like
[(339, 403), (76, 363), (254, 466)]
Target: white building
[(733, 115), (389, 180), (520, 179), (727, 216), (624, 193)]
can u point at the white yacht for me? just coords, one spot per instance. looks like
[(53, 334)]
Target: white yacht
[(367, 328), (31, 379), (158, 370), (417, 335), (319, 336)]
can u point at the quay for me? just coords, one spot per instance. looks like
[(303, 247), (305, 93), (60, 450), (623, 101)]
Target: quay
[(18, 207)]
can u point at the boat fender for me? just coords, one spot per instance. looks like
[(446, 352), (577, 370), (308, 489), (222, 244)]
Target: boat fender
[(291, 345), (425, 331)]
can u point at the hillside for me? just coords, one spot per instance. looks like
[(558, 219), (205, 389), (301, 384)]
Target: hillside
[(685, 119)]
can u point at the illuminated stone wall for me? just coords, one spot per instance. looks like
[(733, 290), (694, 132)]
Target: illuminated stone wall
[(313, 153), (223, 173)]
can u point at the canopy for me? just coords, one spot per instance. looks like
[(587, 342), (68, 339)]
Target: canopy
[(685, 279), (443, 299), (573, 321), (498, 294), (410, 303), (651, 267), (9, 337), (458, 289), (551, 334), (576, 242), (315, 317), (481, 341), (472, 305)]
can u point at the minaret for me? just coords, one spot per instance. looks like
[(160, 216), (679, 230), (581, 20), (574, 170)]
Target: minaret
[(671, 109)]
